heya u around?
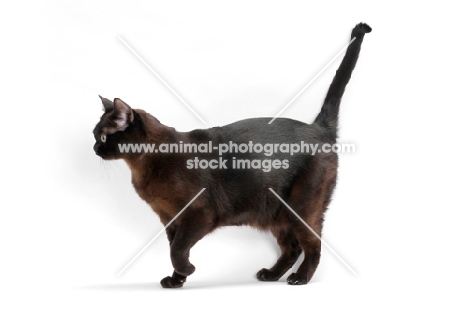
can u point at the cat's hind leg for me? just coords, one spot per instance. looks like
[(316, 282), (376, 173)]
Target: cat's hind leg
[(310, 208), (309, 198), (290, 251), (311, 246)]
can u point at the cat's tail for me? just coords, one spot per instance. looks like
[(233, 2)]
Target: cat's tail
[(328, 116)]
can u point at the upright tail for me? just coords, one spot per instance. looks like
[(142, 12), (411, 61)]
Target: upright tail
[(328, 116)]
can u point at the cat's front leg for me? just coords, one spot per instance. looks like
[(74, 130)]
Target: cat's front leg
[(192, 227)]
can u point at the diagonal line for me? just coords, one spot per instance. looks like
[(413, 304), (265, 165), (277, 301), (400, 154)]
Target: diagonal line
[(160, 232), (315, 233), (161, 79), (310, 82)]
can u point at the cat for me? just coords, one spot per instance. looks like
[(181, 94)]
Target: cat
[(235, 196)]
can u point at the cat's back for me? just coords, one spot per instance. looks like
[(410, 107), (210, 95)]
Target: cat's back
[(282, 130)]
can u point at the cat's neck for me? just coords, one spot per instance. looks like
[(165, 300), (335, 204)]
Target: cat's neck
[(156, 134)]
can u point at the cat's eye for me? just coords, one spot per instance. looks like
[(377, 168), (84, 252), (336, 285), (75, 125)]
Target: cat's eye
[(103, 138)]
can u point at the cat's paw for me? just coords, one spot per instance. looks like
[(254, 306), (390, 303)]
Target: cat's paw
[(171, 282), (267, 275), (296, 279), (360, 30)]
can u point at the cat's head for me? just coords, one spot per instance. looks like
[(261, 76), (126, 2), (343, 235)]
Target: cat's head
[(119, 124)]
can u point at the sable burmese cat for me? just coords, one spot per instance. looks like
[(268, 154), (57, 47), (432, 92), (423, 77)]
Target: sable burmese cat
[(235, 196)]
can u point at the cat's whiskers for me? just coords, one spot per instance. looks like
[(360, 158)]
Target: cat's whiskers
[(105, 167)]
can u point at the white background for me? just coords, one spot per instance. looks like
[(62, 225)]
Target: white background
[(70, 221)]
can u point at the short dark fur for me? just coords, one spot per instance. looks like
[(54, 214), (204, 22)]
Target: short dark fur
[(235, 196)]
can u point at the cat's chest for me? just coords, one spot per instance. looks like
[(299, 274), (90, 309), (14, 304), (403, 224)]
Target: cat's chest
[(158, 194), (149, 189)]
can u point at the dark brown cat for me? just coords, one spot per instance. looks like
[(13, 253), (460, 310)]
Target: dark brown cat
[(235, 196)]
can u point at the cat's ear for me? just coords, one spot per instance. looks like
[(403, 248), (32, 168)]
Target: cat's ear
[(123, 114), (107, 104)]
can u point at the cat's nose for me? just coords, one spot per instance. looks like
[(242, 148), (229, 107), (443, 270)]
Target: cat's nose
[(96, 147)]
